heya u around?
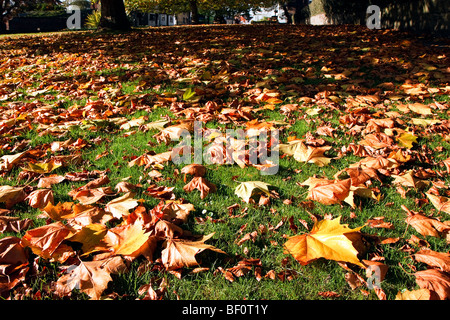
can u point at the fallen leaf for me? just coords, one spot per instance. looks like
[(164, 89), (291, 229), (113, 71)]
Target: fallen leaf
[(434, 280), (248, 189), (11, 195), (121, 206), (332, 193), (90, 277), (40, 198), (439, 202), (435, 259), (420, 294), (44, 240), (327, 239), (204, 186), (178, 253), (304, 153)]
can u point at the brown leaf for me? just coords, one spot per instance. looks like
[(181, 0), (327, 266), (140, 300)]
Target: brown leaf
[(432, 258), (201, 184), (178, 253), (121, 206), (434, 280), (40, 198), (125, 187), (14, 224), (11, 195), (161, 192), (331, 193), (44, 240), (196, 170), (91, 196), (90, 277), (13, 263), (426, 226), (47, 182)]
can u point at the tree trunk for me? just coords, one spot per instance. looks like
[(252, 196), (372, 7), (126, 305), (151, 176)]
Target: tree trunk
[(194, 10), (113, 16), (287, 14)]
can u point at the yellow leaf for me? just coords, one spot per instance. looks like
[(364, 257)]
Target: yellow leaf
[(89, 236), (125, 240), (328, 239), (407, 139), (121, 206), (250, 188), (304, 153), (43, 167)]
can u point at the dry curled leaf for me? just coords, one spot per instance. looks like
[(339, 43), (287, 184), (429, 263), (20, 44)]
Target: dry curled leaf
[(40, 198), (434, 280)]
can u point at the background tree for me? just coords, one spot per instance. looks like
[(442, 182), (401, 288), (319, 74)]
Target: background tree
[(195, 7), (11, 8)]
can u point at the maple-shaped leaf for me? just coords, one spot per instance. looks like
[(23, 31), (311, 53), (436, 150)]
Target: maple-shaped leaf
[(327, 239), (14, 224), (434, 280), (90, 277), (96, 183), (125, 187), (40, 198), (304, 153), (44, 240), (440, 203), (204, 186), (376, 163), (11, 195), (196, 170), (377, 140), (406, 139), (177, 212), (89, 236), (359, 176), (247, 190), (333, 192), (178, 253), (147, 159), (121, 206)]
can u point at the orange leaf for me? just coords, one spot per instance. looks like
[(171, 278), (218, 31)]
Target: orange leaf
[(328, 239), (178, 253)]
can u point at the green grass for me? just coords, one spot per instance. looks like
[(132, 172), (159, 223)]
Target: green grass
[(310, 280)]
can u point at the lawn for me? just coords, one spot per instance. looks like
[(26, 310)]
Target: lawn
[(89, 118)]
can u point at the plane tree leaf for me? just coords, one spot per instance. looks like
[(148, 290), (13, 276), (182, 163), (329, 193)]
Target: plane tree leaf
[(327, 239)]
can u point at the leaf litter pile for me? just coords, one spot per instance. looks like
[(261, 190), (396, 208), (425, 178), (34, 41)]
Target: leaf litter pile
[(89, 193)]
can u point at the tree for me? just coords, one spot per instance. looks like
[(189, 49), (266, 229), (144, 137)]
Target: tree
[(10, 8), (113, 16), (197, 6)]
